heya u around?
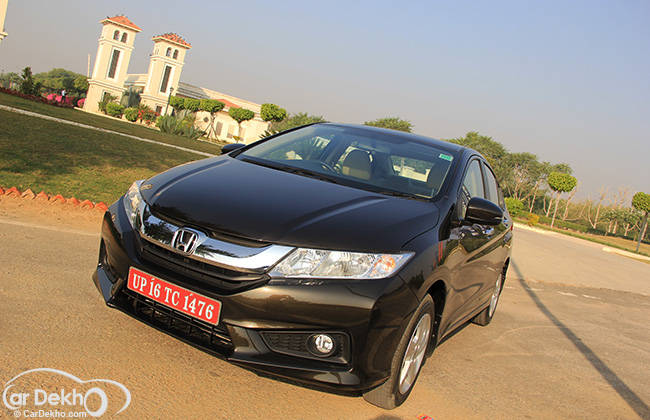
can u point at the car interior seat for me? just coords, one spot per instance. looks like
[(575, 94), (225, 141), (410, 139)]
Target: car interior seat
[(357, 164)]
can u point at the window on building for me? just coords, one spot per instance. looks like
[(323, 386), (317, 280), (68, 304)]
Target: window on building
[(165, 79), (217, 128), (116, 35), (175, 54), (124, 37), (231, 131), (113, 66), (169, 52), (158, 109)]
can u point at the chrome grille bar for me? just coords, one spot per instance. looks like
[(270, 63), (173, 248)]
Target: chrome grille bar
[(213, 251)]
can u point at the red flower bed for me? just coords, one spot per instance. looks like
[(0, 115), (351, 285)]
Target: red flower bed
[(68, 103)]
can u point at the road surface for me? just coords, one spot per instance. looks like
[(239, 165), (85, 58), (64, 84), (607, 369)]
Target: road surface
[(570, 340)]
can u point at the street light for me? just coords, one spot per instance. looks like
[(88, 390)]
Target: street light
[(171, 90)]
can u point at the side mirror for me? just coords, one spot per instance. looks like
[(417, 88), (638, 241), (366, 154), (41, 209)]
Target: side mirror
[(483, 212), (230, 147)]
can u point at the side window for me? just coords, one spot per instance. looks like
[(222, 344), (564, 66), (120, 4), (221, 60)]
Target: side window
[(472, 187), (473, 182), (491, 185)]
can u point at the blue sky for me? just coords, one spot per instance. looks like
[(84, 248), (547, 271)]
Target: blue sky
[(569, 81)]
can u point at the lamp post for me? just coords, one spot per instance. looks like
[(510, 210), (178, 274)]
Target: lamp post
[(171, 90)]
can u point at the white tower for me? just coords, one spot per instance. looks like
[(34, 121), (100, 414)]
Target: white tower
[(112, 60), (165, 69), (3, 14)]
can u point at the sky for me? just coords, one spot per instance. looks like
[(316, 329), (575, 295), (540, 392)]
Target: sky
[(568, 81)]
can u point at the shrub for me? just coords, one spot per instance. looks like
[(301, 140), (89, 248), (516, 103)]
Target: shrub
[(177, 102), (114, 109), (131, 114), (81, 102), (515, 206), (191, 104), (181, 124), (108, 98), (272, 112), (533, 219), (35, 98)]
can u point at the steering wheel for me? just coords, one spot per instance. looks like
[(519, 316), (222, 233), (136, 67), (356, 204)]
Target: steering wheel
[(328, 167)]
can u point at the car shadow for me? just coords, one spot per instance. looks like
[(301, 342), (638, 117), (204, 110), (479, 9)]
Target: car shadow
[(621, 388)]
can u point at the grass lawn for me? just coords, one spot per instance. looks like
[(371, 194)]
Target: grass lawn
[(611, 241), (74, 161), (107, 123)]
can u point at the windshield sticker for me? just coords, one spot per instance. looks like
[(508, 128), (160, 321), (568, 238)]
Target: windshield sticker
[(445, 157)]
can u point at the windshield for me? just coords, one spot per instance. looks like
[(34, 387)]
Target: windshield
[(365, 159)]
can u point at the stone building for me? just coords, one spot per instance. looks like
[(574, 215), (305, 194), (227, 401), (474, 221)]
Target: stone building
[(163, 78)]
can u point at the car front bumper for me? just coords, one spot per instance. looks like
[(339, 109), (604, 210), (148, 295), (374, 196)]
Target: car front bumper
[(368, 315)]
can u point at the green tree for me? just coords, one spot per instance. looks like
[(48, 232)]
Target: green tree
[(27, 84), (272, 113), (211, 106), (292, 121), (191, 104), (393, 123), (9, 80), (177, 102), (58, 79), (560, 183), (493, 151), (641, 202), (81, 84), (240, 115)]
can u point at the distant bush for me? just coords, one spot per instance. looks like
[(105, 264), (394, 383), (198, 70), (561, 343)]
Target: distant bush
[(181, 124), (107, 99), (131, 114), (515, 206), (35, 98), (81, 102), (114, 109), (192, 104), (177, 102), (533, 219)]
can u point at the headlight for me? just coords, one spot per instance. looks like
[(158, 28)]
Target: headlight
[(317, 263), (134, 204)]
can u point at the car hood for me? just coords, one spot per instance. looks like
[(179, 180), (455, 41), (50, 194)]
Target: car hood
[(231, 196)]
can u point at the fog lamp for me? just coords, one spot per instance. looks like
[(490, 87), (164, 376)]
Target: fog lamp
[(322, 345)]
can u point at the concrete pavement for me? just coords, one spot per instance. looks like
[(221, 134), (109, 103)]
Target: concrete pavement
[(569, 340)]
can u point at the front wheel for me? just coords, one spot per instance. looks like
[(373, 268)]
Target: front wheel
[(407, 361), (485, 316)]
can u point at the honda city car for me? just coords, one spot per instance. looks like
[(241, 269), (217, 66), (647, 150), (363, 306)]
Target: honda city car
[(334, 255)]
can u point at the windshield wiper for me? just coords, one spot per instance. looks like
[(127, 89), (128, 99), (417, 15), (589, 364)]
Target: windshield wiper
[(293, 170), (402, 194)]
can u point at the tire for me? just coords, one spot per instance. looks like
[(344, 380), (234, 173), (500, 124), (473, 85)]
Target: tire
[(485, 316), (394, 392)]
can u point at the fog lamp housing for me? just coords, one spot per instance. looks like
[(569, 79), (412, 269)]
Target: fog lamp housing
[(321, 345)]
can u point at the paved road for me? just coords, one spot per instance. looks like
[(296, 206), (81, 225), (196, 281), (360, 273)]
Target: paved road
[(552, 351)]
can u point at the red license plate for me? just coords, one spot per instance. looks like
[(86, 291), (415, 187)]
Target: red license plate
[(175, 297)]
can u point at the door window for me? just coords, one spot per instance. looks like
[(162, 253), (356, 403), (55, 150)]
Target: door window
[(491, 186), (473, 182), (472, 186)]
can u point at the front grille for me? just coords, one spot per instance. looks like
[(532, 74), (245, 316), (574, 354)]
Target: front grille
[(197, 332), (220, 279), (295, 344)]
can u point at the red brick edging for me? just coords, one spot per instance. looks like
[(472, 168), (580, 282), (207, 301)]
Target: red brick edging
[(28, 194)]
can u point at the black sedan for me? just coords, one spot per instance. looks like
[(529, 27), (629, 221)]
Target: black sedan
[(336, 255)]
